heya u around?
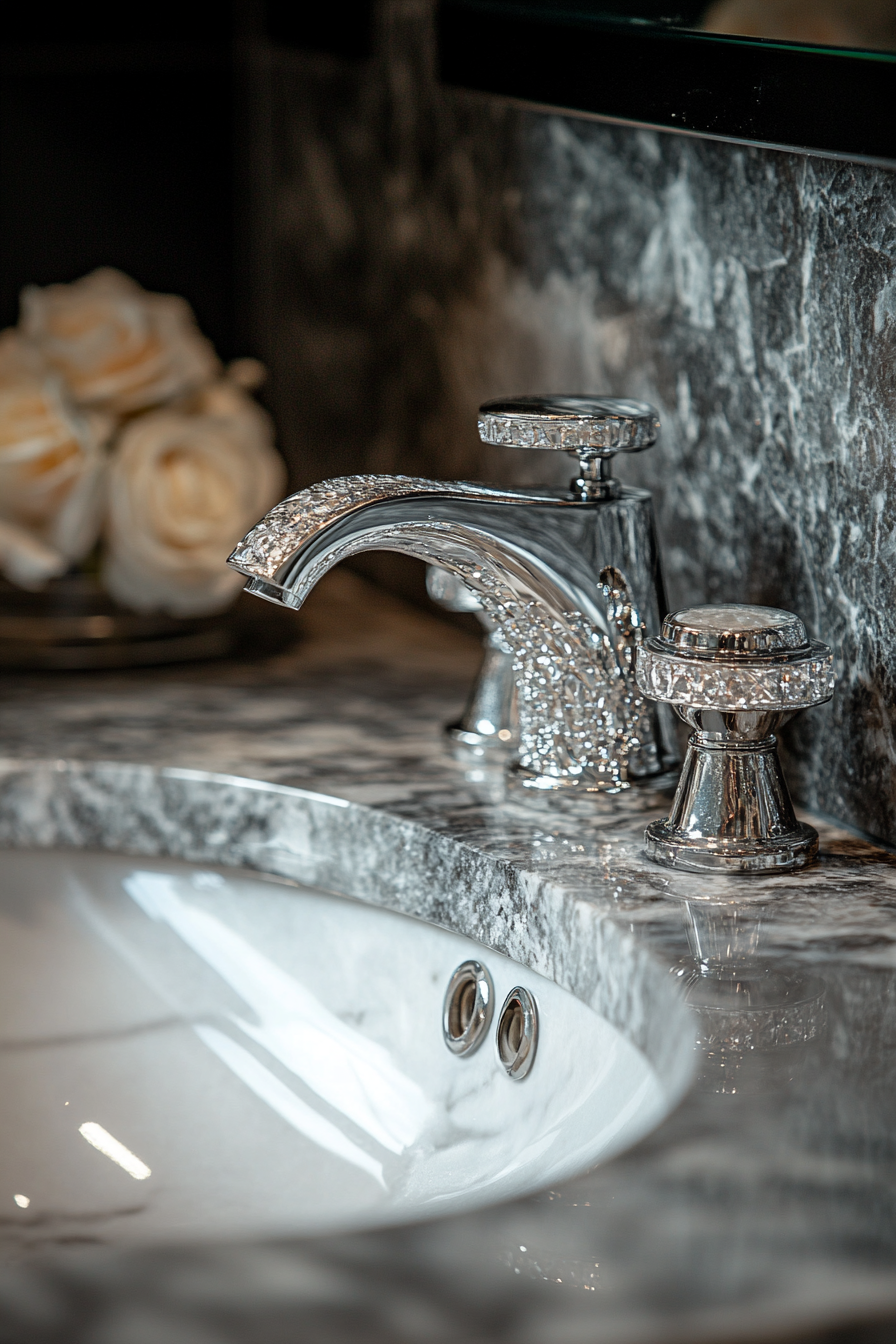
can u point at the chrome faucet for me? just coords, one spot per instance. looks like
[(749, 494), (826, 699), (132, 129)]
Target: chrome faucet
[(591, 430), (570, 581)]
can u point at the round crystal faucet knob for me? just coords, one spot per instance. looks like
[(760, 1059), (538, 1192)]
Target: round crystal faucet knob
[(736, 658), (734, 674), (590, 428), (735, 629)]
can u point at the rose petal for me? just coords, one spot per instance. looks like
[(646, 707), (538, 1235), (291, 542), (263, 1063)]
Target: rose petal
[(78, 523), (25, 560), (52, 466), (183, 489), (117, 346)]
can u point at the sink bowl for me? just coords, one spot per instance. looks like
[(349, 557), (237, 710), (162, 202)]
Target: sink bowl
[(190, 1050)]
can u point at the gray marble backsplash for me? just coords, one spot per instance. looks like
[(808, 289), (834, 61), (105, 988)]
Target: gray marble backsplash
[(421, 249)]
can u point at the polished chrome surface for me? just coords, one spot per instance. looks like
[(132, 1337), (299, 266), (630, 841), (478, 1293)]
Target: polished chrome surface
[(735, 629), (516, 1038), (468, 1009), (489, 722), (450, 591), (732, 811), (571, 586), (591, 429)]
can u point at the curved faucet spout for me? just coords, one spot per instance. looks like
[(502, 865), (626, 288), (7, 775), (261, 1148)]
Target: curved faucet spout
[(571, 633)]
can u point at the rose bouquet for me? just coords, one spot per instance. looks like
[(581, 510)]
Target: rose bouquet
[(124, 442)]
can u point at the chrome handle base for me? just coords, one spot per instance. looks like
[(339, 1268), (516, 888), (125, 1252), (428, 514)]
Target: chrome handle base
[(734, 674), (489, 723), (732, 813)]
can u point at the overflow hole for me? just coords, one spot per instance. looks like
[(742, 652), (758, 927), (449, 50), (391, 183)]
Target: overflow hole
[(517, 1034), (468, 1008)]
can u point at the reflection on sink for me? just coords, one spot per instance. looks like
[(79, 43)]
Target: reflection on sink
[(188, 1052)]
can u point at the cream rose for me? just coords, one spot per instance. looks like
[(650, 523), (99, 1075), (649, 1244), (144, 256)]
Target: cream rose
[(116, 346), (184, 486), (52, 468), (19, 359)]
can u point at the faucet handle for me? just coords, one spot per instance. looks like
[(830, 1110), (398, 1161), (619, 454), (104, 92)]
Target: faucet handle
[(736, 657), (591, 429), (734, 673)]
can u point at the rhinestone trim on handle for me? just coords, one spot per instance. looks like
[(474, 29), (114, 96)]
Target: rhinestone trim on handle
[(584, 426)]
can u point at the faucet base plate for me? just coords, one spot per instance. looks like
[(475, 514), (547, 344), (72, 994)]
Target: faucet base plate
[(672, 848)]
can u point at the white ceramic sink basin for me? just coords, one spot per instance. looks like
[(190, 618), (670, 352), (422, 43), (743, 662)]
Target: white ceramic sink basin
[(195, 1052)]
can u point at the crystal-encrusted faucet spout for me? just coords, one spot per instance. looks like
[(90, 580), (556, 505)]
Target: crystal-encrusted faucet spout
[(584, 724)]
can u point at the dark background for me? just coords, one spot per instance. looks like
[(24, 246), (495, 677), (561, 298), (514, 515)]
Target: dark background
[(121, 144)]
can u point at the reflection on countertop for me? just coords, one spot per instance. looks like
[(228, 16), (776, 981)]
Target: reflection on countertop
[(763, 1207)]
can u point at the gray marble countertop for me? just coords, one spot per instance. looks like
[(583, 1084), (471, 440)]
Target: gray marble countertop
[(764, 1207)]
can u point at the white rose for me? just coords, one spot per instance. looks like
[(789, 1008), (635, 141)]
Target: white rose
[(19, 358), (25, 560), (52, 469), (116, 346), (184, 486)]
